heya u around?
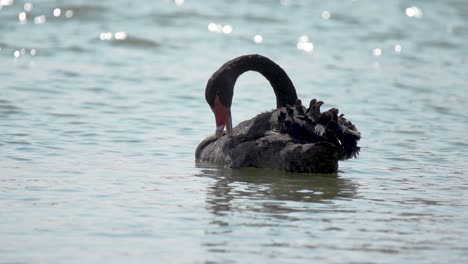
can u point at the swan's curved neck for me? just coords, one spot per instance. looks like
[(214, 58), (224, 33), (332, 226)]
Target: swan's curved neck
[(223, 80)]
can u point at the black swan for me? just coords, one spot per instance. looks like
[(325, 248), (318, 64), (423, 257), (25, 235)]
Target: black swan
[(291, 137)]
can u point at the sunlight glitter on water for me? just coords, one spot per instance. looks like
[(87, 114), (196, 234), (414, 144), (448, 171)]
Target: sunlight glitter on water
[(28, 7), (117, 35), (120, 35), (258, 39), (397, 48), (6, 2), (39, 19), (57, 12), (69, 13), (105, 36), (377, 52), (304, 44), (326, 15), (22, 17), (219, 28), (414, 11), (179, 2)]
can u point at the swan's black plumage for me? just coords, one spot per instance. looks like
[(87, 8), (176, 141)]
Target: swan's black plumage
[(291, 137), (224, 79)]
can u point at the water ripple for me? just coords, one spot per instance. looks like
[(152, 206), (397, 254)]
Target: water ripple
[(7, 108), (87, 12), (135, 42)]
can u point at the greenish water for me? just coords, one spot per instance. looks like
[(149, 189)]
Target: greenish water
[(98, 135)]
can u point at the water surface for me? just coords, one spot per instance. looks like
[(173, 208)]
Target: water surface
[(102, 106)]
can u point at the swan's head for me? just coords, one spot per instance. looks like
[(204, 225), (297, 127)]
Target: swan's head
[(222, 115), (218, 94)]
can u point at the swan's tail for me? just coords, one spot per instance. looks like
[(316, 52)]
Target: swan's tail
[(350, 147), (313, 126)]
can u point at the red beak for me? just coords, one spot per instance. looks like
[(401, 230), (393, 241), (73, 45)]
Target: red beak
[(223, 118)]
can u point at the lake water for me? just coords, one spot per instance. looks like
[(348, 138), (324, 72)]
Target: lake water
[(102, 106)]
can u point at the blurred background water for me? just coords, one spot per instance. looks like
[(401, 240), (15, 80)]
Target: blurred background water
[(102, 106)]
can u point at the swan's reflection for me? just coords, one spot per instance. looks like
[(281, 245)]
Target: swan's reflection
[(246, 201), (270, 191)]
